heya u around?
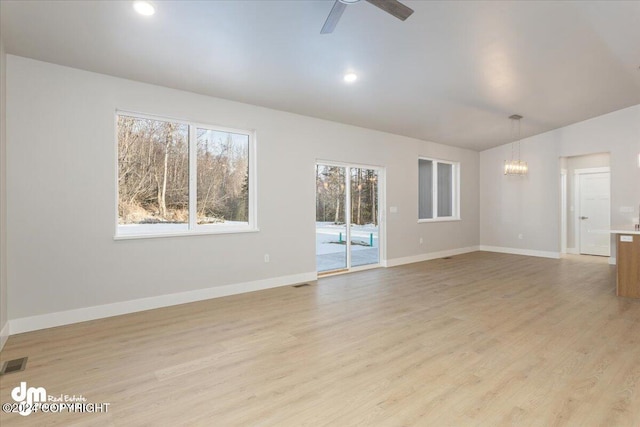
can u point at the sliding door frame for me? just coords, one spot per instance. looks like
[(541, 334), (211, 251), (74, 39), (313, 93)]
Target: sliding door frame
[(382, 229)]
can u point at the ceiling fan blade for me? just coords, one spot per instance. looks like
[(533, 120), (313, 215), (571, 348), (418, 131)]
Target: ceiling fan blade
[(394, 7), (333, 18)]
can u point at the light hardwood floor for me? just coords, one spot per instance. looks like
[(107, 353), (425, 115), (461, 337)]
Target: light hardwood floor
[(481, 339)]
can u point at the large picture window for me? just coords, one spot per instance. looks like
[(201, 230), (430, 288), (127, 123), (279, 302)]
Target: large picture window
[(179, 178), (438, 190)]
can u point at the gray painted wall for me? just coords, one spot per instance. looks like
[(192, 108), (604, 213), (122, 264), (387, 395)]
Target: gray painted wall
[(61, 154), (512, 205), (61, 198), (530, 205), (3, 197)]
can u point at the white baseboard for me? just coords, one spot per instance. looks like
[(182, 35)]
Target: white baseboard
[(516, 251), (575, 251), (4, 334), (429, 256), (50, 320)]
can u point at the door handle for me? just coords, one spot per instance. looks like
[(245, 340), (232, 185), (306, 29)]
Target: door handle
[(584, 217)]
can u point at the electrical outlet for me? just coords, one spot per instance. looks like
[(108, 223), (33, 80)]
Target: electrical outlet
[(421, 241), (520, 236), (266, 257)]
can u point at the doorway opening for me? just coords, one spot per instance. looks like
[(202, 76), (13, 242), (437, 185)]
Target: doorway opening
[(585, 210), (348, 212)]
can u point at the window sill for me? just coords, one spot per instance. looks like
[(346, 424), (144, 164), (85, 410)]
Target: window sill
[(448, 219), (185, 233)]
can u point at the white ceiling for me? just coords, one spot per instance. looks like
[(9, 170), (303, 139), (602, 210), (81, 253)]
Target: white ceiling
[(452, 73)]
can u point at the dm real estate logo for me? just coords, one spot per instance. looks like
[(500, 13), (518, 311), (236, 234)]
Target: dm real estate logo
[(28, 398), (35, 399)]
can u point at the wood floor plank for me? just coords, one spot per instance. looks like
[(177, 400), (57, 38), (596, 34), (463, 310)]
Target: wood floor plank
[(480, 339)]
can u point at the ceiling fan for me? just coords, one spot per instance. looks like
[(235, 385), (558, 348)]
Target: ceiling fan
[(394, 7)]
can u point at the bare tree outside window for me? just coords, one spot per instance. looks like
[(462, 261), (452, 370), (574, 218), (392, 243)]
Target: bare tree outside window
[(331, 193), (223, 177), (154, 172)]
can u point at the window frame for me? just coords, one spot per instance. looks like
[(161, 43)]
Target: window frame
[(455, 189), (193, 228)]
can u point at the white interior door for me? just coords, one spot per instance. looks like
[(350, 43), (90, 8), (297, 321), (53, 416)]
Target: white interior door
[(594, 213)]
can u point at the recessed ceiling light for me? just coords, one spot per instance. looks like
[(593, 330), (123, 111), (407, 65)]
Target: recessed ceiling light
[(144, 7), (350, 77)]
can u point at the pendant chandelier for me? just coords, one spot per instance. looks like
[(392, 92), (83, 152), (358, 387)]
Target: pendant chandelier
[(515, 166)]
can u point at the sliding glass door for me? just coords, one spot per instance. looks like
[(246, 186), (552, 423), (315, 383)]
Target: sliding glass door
[(347, 217), (364, 247), (331, 224)]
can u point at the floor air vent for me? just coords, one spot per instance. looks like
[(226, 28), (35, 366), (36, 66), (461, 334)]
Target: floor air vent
[(301, 285), (15, 365)]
